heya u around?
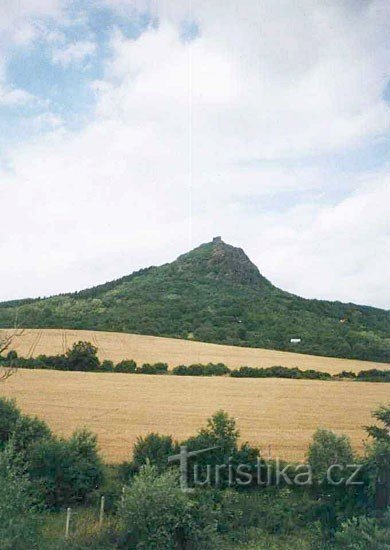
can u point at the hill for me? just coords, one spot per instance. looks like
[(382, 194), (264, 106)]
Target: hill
[(213, 294)]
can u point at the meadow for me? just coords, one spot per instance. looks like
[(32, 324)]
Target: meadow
[(151, 349), (279, 413)]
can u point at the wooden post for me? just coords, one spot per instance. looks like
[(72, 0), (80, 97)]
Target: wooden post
[(101, 514), (67, 523), (269, 452), (123, 494)]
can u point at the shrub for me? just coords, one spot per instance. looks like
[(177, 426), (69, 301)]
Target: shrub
[(18, 525), (128, 365), (28, 430), (378, 459), (107, 366), (155, 513), (362, 533), (157, 368), (279, 372), (65, 471), (211, 369), (326, 449), (374, 375), (155, 449), (9, 415)]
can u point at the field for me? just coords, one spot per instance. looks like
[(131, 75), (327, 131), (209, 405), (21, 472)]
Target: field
[(119, 407), (151, 349)]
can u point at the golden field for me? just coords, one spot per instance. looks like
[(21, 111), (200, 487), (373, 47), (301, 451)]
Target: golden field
[(119, 407), (152, 349)]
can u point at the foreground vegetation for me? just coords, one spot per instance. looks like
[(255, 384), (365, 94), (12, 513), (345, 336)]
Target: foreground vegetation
[(42, 475), (214, 294), (83, 357)]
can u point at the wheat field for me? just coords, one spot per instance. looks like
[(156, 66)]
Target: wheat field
[(152, 349), (119, 407)]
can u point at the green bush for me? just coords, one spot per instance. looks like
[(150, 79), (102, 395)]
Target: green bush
[(374, 375), (157, 368), (107, 366), (27, 431), (9, 415), (155, 513), (65, 471), (327, 449), (127, 365), (279, 372), (154, 449), (362, 533), (211, 369), (18, 522)]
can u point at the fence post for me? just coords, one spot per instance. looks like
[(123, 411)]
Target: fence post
[(67, 523), (101, 514)]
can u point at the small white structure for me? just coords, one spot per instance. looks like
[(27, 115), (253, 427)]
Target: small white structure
[(295, 340)]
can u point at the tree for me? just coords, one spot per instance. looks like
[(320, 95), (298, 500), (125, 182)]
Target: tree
[(326, 450), (382, 414), (154, 449), (82, 357), (378, 458)]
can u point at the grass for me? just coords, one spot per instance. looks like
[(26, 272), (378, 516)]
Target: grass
[(152, 349), (275, 412)]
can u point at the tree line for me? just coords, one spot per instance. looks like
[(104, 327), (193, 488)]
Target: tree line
[(83, 356)]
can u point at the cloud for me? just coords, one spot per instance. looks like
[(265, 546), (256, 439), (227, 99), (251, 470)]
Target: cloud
[(224, 134), (10, 97), (74, 53)]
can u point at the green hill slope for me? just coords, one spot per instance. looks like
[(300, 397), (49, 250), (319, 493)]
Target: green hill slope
[(215, 294)]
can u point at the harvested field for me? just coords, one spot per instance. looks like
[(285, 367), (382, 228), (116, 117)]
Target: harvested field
[(119, 407), (152, 349)]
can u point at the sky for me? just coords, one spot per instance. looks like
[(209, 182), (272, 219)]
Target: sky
[(133, 131)]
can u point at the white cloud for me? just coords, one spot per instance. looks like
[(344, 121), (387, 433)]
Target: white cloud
[(75, 52), (218, 132), (10, 97)]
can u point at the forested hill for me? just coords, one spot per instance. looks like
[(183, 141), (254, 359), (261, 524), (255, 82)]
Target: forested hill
[(214, 294)]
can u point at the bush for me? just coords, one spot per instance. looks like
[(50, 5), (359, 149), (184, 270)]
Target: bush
[(362, 533), (28, 430), (155, 513), (18, 524), (157, 368), (326, 449), (128, 366), (154, 449), (279, 372), (9, 415), (374, 375), (378, 459), (65, 471), (211, 369), (107, 366)]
